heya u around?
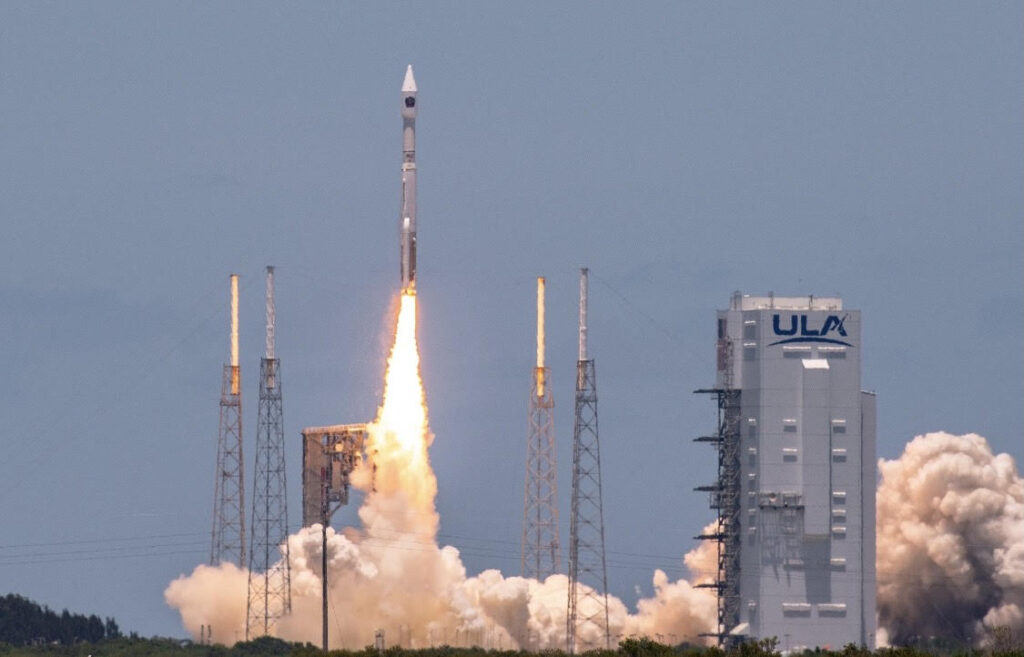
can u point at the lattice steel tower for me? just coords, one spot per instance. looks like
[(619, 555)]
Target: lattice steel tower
[(227, 543), (540, 556), (270, 595), (724, 497), (587, 618)]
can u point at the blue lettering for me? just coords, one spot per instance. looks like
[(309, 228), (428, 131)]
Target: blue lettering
[(832, 324), (835, 323), (778, 329)]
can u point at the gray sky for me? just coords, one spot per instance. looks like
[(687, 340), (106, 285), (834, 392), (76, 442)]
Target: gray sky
[(680, 150)]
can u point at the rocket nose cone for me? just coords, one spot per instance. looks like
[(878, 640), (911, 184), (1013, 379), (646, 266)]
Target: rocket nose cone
[(409, 85)]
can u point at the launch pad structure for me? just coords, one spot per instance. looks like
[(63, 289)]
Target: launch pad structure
[(724, 497), (269, 596), (540, 545), (329, 456), (794, 495), (227, 538), (588, 574)]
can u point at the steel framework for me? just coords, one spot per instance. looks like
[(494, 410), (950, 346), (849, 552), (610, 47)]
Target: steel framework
[(227, 540), (725, 500), (587, 617), (329, 456), (270, 595), (540, 545)]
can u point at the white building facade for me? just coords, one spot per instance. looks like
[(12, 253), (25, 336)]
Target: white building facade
[(806, 469)]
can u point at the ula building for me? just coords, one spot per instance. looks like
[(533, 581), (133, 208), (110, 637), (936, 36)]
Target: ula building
[(795, 493)]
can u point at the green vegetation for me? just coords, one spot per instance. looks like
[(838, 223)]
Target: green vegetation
[(23, 622), (30, 630), (1001, 646)]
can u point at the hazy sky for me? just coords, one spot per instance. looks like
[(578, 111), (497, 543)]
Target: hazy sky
[(680, 150)]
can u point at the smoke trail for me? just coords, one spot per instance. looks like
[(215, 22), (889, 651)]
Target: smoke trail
[(391, 573), (950, 540)]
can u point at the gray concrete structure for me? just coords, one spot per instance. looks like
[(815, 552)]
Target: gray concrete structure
[(807, 470)]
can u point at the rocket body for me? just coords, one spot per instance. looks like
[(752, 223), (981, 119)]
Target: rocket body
[(407, 216)]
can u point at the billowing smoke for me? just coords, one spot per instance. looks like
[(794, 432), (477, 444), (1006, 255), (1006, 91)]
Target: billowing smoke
[(391, 573), (950, 540), (950, 553)]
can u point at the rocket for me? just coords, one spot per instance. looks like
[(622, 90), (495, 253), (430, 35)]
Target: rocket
[(407, 216)]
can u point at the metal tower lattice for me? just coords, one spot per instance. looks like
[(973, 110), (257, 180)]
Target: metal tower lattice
[(269, 568), (227, 541), (725, 499), (540, 546), (587, 618)]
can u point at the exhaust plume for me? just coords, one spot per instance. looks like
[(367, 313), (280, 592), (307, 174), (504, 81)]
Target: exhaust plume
[(950, 540), (391, 573)]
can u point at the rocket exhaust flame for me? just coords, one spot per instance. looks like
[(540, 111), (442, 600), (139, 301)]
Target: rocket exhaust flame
[(392, 573)]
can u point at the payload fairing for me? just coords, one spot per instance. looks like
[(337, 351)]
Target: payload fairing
[(407, 217)]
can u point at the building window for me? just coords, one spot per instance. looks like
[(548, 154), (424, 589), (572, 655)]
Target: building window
[(750, 330)]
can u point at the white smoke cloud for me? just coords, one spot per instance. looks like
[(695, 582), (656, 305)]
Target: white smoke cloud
[(950, 540), (950, 563), (420, 594), (391, 573)]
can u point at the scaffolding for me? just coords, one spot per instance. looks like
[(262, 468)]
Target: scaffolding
[(269, 565), (540, 544), (725, 499), (227, 538)]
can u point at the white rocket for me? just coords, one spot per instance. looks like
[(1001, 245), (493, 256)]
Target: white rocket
[(407, 217)]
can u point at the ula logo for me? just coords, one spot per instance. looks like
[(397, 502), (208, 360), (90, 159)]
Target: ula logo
[(801, 332)]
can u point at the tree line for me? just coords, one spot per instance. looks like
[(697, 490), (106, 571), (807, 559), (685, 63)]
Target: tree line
[(26, 623)]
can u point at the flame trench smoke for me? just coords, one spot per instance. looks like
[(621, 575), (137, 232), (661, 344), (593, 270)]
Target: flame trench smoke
[(950, 553), (950, 540), (392, 574)]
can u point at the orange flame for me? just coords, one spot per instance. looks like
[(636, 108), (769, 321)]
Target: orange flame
[(399, 436)]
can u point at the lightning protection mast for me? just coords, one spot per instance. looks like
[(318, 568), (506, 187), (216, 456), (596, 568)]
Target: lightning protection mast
[(227, 542), (540, 548), (270, 595), (587, 617)]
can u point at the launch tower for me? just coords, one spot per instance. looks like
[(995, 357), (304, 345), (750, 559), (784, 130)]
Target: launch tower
[(227, 542), (269, 568), (587, 617), (795, 492), (540, 556)]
